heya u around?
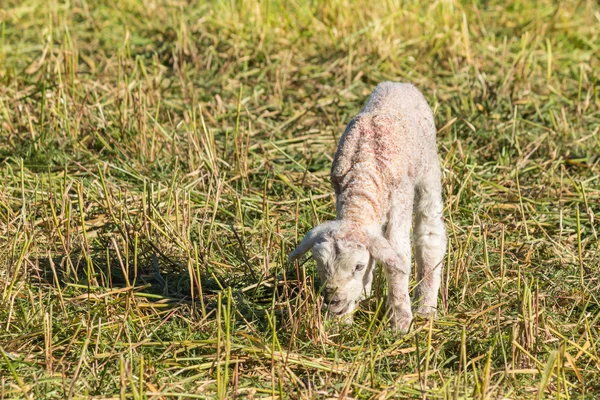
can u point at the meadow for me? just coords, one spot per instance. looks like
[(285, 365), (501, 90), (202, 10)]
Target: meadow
[(159, 159)]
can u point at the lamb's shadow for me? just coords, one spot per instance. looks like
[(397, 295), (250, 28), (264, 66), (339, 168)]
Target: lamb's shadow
[(168, 280)]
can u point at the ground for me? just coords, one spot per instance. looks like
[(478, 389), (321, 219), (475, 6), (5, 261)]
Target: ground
[(160, 159)]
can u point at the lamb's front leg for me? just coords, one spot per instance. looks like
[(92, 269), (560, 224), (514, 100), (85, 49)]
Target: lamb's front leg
[(398, 301), (398, 234)]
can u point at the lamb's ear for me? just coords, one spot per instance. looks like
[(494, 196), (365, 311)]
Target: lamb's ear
[(381, 249), (311, 238)]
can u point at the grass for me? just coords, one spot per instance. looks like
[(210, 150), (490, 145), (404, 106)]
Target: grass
[(159, 159)]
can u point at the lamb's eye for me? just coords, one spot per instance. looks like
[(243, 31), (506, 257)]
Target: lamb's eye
[(359, 267)]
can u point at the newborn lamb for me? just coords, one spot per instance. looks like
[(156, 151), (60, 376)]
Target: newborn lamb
[(386, 166)]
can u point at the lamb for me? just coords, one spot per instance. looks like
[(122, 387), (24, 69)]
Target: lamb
[(386, 166)]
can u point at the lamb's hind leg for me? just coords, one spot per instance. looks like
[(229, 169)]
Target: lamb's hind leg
[(398, 234), (430, 242)]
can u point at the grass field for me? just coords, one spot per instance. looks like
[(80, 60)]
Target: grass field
[(159, 160)]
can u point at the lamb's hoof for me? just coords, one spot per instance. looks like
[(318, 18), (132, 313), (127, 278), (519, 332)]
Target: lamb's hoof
[(400, 324), (426, 312)]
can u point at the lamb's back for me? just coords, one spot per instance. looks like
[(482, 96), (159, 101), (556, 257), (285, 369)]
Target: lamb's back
[(405, 102), (394, 133)]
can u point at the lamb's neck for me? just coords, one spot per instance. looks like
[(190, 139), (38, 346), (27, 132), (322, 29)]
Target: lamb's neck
[(362, 200), (357, 212)]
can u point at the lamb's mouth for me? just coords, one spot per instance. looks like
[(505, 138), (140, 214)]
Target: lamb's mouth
[(339, 311)]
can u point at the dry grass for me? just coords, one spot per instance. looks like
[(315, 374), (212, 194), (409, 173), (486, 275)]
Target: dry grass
[(159, 160)]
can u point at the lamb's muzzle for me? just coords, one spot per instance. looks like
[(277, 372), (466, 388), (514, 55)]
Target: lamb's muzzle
[(386, 166)]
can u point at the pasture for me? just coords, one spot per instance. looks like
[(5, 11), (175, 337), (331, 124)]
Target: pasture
[(159, 159)]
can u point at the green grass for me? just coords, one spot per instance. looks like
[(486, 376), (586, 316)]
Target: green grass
[(159, 160)]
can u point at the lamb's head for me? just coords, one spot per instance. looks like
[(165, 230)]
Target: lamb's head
[(345, 257)]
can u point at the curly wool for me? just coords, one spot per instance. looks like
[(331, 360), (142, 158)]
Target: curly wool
[(389, 143)]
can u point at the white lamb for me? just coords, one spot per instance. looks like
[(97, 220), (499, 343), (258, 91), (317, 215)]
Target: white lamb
[(386, 166)]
